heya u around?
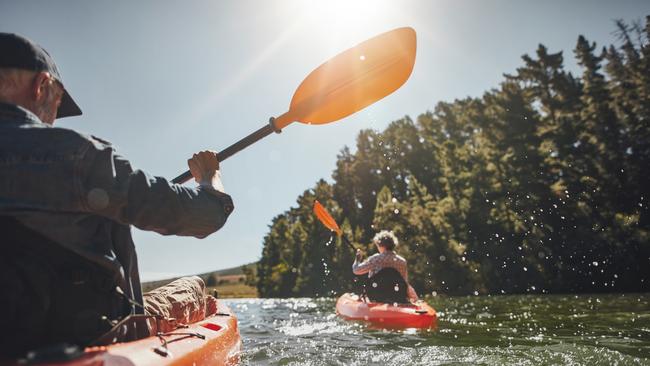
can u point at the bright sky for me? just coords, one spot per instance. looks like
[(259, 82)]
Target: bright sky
[(162, 79)]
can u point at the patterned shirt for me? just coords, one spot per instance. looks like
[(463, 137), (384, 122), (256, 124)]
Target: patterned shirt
[(379, 261), (386, 259)]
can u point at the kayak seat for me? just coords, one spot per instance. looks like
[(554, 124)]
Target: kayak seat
[(387, 286), (50, 295)]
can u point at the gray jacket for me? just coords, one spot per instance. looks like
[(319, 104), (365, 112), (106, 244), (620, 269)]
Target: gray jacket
[(78, 192)]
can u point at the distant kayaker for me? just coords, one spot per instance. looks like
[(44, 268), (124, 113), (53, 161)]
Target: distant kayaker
[(385, 241), (68, 269)]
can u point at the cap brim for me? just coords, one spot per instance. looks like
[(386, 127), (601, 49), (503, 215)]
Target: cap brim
[(68, 107)]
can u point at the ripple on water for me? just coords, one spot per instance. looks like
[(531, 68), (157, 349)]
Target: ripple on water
[(522, 330)]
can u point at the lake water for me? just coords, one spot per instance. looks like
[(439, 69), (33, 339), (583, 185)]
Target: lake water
[(491, 330)]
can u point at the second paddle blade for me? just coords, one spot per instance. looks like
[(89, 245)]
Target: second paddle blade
[(325, 217)]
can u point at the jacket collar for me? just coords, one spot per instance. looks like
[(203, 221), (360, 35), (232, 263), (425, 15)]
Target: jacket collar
[(13, 113)]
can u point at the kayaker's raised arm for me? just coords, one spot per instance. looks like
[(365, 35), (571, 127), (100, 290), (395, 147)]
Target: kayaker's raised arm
[(359, 267), (112, 188)]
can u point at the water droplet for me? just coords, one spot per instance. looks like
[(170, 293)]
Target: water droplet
[(98, 199)]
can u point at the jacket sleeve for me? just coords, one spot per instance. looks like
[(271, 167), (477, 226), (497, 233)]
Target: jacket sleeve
[(110, 187)]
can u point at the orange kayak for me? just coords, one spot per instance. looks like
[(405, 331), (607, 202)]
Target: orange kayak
[(418, 315), (212, 341)]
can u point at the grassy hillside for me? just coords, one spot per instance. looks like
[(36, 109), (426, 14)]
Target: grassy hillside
[(229, 282)]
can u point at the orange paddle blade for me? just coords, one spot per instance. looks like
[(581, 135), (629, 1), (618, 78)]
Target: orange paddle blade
[(353, 79), (326, 218)]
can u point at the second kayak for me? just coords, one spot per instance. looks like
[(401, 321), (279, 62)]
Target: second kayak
[(418, 315)]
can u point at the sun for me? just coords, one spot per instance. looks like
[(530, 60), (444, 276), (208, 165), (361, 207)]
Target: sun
[(347, 19), (325, 27)]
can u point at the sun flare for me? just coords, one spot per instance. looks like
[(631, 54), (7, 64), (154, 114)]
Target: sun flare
[(339, 20)]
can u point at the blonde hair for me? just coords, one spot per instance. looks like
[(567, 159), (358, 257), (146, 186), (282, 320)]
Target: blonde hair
[(386, 239)]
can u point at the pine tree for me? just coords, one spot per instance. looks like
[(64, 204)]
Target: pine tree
[(540, 185)]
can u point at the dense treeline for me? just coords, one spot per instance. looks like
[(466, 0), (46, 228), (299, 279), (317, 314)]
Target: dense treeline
[(540, 185)]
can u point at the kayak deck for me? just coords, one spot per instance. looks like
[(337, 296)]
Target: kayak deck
[(212, 341), (418, 315)]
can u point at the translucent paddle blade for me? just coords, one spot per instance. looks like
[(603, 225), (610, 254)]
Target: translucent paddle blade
[(355, 78), (324, 217)]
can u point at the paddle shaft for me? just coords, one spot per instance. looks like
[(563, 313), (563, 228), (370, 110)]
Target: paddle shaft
[(345, 84), (234, 148), (345, 239)]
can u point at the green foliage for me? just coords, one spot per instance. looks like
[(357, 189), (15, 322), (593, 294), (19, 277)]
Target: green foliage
[(250, 277), (540, 185)]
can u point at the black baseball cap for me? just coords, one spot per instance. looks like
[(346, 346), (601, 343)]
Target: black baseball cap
[(18, 52)]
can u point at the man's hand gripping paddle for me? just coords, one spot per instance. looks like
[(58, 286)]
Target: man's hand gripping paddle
[(347, 83)]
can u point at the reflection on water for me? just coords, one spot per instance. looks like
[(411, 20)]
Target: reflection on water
[(494, 330)]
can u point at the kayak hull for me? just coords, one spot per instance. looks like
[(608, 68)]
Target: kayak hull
[(419, 315), (221, 346)]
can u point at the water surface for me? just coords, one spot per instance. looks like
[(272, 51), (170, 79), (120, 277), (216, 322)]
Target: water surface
[(491, 330)]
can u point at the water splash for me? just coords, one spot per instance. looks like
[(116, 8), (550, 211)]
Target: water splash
[(493, 330)]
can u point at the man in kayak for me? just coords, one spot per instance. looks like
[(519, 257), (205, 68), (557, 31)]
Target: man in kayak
[(385, 241), (68, 269)]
